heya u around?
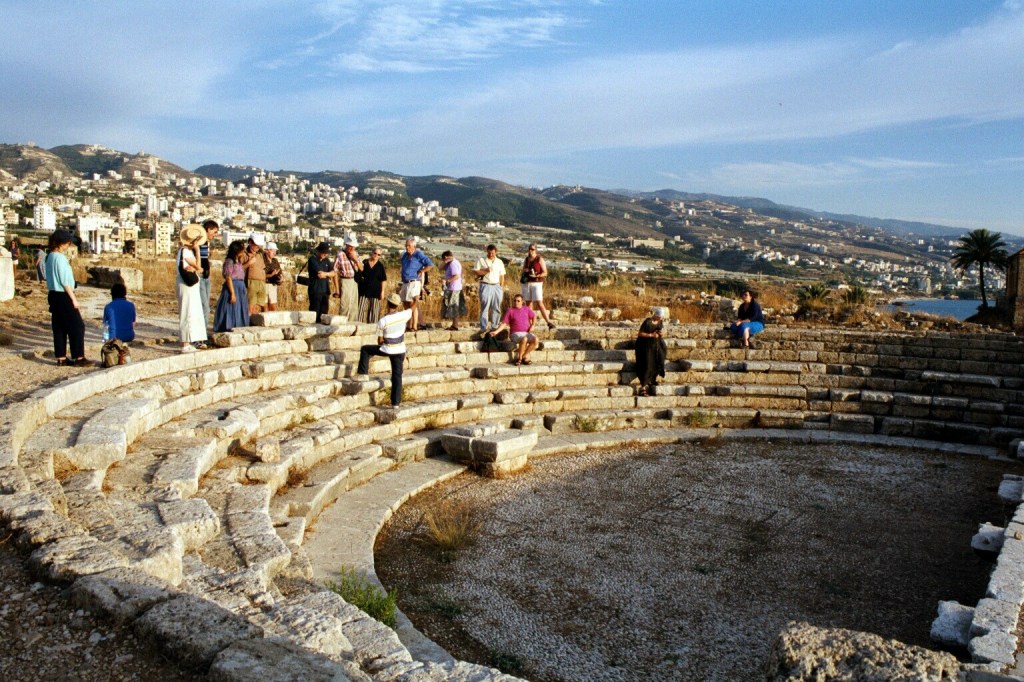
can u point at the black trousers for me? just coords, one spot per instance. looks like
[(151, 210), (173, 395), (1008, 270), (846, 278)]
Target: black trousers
[(318, 302), (67, 326), (397, 364)]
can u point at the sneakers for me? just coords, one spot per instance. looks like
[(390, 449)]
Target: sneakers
[(188, 349)]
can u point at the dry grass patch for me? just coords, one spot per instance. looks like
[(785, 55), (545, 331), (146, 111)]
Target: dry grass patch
[(450, 526)]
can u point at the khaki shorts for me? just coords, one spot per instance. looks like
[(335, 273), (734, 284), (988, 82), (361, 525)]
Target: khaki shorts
[(257, 292), (411, 290)]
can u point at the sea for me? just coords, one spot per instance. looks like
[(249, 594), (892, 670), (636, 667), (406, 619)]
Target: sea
[(961, 309)]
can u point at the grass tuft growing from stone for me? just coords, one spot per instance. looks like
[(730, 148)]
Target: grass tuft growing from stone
[(357, 590)]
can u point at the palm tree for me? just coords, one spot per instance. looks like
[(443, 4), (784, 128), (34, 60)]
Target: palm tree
[(980, 248)]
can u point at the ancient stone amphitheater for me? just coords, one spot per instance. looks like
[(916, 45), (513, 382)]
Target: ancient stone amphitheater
[(175, 494)]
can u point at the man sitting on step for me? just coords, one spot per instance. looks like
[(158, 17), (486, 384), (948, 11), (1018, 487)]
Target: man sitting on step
[(519, 321)]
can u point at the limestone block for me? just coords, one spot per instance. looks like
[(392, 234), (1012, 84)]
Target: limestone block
[(278, 660), (502, 446), (803, 653), (995, 647), (193, 631), (314, 630), (105, 276), (504, 467), (266, 553), (6, 275), (181, 472), (1011, 489), (852, 423), (282, 318), (953, 624), (191, 519), (406, 449), (989, 538), (70, 558), (993, 615), (698, 365), (121, 594), (158, 552), (268, 449), (458, 446), (20, 505), (43, 527), (780, 419)]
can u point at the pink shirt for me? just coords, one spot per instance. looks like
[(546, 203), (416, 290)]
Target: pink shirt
[(518, 319)]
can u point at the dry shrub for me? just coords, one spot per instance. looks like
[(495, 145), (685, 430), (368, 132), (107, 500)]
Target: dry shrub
[(450, 526)]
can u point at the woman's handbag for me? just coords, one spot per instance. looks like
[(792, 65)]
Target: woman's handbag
[(187, 276)]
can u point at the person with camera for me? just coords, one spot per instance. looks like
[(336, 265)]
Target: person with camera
[(534, 272)]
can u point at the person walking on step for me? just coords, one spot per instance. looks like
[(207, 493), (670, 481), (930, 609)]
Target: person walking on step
[(491, 270), (391, 344), (519, 321), (651, 351), (749, 319)]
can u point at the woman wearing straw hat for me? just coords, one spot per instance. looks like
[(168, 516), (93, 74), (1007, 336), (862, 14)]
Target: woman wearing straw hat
[(651, 351), (191, 324)]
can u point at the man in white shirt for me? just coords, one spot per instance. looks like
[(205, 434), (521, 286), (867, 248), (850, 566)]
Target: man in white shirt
[(391, 337), (492, 282)]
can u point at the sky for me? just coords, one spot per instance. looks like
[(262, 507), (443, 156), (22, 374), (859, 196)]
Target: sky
[(911, 109)]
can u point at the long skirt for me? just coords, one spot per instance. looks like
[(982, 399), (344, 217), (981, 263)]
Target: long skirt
[(453, 306), (229, 315), (369, 310), (650, 360), (191, 325)]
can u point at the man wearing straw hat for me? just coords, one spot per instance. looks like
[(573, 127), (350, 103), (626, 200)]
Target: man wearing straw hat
[(391, 340)]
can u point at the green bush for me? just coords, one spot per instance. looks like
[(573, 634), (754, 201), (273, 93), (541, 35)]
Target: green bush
[(357, 590)]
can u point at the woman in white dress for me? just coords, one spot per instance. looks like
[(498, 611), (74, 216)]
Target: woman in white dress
[(191, 322)]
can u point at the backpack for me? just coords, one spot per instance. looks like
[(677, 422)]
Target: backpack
[(115, 352), (490, 344)]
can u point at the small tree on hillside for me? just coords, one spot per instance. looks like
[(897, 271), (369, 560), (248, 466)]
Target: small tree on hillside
[(980, 248)]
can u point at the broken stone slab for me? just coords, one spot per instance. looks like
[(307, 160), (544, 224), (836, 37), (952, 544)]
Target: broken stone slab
[(191, 519), (953, 624), (993, 615), (803, 652), (121, 594), (278, 660), (1011, 488), (315, 630), (989, 538), (70, 558), (995, 647), (282, 318), (268, 449), (158, 552), (192, 630), (38, 529)]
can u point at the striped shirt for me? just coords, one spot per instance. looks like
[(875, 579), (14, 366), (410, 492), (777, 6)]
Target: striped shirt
[(392, 329)]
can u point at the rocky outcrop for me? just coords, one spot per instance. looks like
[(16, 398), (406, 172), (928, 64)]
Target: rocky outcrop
[(804, 652)]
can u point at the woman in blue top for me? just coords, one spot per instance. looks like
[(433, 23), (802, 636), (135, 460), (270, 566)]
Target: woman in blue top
[(65, 317), (749, 319)]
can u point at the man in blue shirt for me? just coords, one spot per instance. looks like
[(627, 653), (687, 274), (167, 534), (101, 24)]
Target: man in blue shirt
[(414, 264), (119, 315)]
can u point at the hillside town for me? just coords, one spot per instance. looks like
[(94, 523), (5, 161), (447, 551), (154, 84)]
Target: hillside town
[(139, 209)]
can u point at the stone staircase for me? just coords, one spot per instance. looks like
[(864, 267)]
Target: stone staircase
[(181, 494)]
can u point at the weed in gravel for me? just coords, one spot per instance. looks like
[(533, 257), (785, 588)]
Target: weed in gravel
[(443, 607), (450, 526), (357, 590), (510, 664)]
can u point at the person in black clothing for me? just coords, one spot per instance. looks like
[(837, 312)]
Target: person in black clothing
[(651, 351), (371, 287), (320, 269), (749, 319)]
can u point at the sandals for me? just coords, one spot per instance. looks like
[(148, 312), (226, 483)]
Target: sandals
[(642, 391), (527, 362), (517, 362)]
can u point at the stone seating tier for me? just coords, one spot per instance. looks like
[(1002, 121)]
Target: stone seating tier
[(194, 479)]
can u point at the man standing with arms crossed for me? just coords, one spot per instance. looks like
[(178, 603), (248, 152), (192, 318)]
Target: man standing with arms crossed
[(212, 230), (492, 287), (414, 264)]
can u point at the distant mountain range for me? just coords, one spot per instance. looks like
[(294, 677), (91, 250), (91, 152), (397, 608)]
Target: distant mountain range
[(581, 210)]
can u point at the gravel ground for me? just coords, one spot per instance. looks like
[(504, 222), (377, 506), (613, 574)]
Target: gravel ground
[(684, 562)]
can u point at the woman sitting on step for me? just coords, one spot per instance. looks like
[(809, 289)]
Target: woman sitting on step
[(749, 319), (651, 351)]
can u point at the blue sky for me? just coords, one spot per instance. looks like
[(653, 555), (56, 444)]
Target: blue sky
[(911, 109)]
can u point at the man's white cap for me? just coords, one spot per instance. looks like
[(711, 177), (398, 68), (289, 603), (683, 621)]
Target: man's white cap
[(257, 238), (271, 246), (351, 240)]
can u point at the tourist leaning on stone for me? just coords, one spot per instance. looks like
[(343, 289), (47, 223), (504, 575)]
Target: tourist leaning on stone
[(651, 351), (414, 266), (453, 305), (491, 270), (749, 319), (320, 271), (391, 340), (347, 265), (519, 321), (65, 315), (534, 272), (191, 325), (371, 287)]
